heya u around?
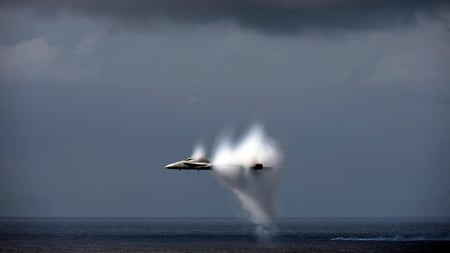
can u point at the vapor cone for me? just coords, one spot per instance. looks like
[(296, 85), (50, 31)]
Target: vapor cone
[(255, 189)]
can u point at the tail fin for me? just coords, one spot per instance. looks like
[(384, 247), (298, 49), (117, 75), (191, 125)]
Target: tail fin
[(257, 166)]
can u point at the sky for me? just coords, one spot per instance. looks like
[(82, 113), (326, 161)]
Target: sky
[(97, 96)]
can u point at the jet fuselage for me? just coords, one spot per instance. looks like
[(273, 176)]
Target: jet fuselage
[(190, 164), (204, 164)]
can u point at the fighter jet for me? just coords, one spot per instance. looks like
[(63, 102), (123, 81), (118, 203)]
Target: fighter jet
[(203, 164), (190, 164)]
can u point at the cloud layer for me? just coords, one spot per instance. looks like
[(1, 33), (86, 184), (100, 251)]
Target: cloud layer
[(269, 16), (94, 102)]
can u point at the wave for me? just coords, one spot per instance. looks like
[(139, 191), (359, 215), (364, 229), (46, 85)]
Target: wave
[(394, 238)]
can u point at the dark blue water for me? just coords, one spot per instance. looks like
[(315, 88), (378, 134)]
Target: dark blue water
[(222, 235)]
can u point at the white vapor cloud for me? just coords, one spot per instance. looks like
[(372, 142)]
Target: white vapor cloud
[(255, 189)]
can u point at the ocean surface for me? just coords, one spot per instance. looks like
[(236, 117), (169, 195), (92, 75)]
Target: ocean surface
[(223, 235)]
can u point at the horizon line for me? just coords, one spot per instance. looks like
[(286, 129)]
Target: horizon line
[(231, 217)]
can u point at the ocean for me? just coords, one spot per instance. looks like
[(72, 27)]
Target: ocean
[(223, 235)]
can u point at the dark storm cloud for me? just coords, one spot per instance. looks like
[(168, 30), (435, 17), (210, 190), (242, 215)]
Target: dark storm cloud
[(90, 117), (271, 16)]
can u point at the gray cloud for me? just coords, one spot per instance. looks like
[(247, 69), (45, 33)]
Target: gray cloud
[(90, 117), (270, 16)]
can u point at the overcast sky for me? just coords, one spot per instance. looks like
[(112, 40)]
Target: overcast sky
[(97, 96)]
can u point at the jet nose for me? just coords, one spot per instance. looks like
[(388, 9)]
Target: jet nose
[(170, 166)]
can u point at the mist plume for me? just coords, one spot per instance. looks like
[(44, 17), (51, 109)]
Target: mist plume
[(255, 189)]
